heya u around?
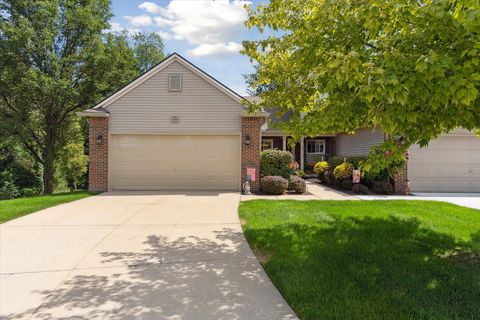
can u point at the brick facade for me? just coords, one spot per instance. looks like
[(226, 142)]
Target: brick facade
[(400, 182), (251, 126), (98, 154)]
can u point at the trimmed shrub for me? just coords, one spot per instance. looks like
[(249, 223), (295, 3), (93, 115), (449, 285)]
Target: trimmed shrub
[(360, 188), (274, 185), (343, 171), (347, 184), (321, 167), (276, 163), (297, 185), (382, 187)]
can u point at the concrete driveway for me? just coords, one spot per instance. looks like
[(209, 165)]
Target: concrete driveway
[(135, 255)]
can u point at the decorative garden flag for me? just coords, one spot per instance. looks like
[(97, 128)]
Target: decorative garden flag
[(356, 176), (251, 174)]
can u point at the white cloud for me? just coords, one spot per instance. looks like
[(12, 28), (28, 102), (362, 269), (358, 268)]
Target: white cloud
[(211, 26), (117, 27), (215, 49), (151, 7), (165, 35), (139, 21)]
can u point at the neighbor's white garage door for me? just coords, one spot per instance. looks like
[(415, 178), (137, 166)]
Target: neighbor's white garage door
[(175, 162), (450, 163)]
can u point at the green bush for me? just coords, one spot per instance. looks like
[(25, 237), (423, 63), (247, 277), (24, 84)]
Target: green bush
[(8, 189), (329, 178), (369, 178), (382, 187), (343, 171), (333, 162), (297, 185), (347, 184), (274, 185), (276, 163), (321, 167), (360, 188), (300, 173)]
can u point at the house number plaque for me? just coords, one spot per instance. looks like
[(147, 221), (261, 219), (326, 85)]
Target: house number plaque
[(174, 119)]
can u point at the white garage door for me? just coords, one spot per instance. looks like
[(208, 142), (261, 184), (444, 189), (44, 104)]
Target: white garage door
[(451, 163), (175, 162)]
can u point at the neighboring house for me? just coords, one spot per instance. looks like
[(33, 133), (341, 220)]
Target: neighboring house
[(177, 128)]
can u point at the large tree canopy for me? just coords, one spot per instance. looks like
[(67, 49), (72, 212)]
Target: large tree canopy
[(56, 58), (410, 67)]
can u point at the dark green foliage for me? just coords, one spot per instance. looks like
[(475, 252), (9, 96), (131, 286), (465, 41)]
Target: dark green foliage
[(329, 178), (347, 184), (274, 185), (360, 188), (297, 184), (276, 163), (376, 260), (382, 187), (8, 189)]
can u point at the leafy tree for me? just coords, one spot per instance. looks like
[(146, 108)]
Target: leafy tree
[(56, 60), (255, 88), (410, 67), (72, 160), (148, 48)]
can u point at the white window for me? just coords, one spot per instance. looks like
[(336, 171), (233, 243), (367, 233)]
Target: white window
[(315, 146), (175, 82), (267, 144)]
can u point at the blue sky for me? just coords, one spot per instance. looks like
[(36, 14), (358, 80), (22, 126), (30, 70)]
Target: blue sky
[(208, 33)]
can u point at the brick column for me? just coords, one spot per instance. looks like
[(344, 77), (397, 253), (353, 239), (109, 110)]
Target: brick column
[(98, 154), (251, 126), (400, 181)]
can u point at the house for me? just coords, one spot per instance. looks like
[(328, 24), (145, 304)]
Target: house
[(177, 128)]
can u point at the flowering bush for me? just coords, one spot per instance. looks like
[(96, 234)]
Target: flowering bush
[(343, 171), (321, 167)]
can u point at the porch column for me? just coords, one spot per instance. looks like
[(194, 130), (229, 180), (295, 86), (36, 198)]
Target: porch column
[(284, 141), (302, 155)]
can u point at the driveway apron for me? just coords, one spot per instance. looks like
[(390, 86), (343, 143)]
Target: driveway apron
[(135, 255)]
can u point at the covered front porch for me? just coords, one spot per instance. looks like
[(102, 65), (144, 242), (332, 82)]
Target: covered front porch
[(307, 152)]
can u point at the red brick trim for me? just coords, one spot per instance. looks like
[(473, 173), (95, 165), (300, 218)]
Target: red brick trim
[(98, 154), (251, 126), (400, 181)]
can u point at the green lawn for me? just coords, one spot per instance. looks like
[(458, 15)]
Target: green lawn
[(369, 259), (11, 209)]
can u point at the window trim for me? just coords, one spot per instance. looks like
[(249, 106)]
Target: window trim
[(315, 140), (170, 75), (269, 141)]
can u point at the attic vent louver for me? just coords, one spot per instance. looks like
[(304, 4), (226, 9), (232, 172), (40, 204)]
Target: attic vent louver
[(175, 82)]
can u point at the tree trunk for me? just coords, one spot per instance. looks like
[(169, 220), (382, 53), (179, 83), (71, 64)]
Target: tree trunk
[(49, 158)]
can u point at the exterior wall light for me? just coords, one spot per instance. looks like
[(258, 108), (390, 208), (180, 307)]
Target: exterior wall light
[(248, 140), (99, 139)]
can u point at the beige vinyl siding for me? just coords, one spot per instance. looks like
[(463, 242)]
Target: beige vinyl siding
[(201, 107), (175, 162), (358, 144)]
